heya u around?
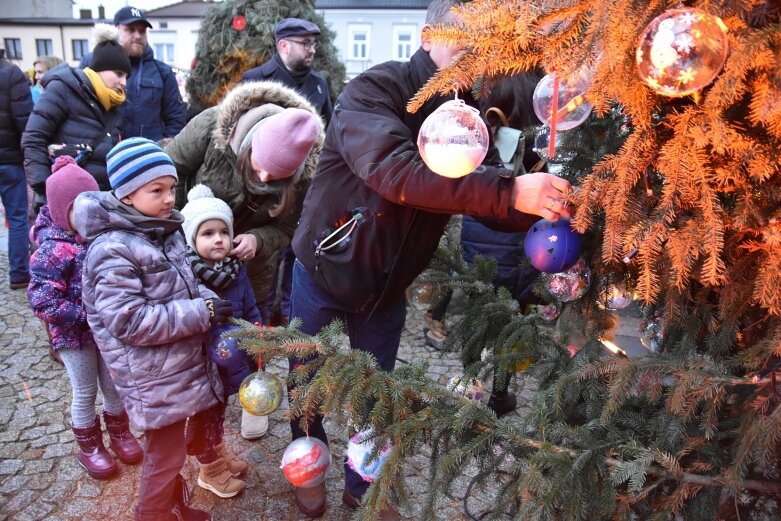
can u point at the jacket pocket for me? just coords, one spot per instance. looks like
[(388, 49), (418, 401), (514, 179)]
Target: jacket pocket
[(349, 262)]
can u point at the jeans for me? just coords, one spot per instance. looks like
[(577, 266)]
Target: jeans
[(284, 269), (378, 335), (13, 191)]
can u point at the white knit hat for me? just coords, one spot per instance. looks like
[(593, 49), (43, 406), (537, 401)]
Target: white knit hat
[(202, 206)]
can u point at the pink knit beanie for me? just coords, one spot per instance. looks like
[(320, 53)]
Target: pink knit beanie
[(281, 144), (67, 181)]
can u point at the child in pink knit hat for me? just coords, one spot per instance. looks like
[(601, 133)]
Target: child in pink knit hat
[(55, 297)]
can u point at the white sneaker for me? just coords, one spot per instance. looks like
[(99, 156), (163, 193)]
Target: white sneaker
[(253, 427)]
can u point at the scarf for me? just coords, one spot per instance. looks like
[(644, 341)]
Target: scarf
[(298, 76), (216, 277), (108, 98)]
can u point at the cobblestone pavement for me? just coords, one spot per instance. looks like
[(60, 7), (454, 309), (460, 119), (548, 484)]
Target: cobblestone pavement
[(40, 478)]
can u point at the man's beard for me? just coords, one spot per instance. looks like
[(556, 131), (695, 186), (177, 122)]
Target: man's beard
[(135, 50), (300, 65)]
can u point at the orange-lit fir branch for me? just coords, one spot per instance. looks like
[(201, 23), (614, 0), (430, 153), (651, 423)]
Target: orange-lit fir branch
[(715, 153)]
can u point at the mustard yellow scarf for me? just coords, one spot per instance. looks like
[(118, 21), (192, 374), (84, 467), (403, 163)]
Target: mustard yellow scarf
[(107, 97)]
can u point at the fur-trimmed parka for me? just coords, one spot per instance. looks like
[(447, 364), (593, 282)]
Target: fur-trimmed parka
[(203, 154)]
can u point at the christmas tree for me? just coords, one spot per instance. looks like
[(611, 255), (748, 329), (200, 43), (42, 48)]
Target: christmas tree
[(237, 35), (677, 191)]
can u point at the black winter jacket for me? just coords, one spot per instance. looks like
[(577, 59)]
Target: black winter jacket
[(154, 108), (16, 102), (371, 166), (69, 112), (314, 88)]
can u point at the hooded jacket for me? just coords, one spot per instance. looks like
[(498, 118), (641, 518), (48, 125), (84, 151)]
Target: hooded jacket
[(202, 154), (154, 108), (145, 312), (55, 283), (68, 112), (371, 170)]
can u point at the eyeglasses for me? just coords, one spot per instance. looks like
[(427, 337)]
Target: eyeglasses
[(312, 44)]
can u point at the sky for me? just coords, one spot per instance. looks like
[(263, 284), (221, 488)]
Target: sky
[(112, 6)]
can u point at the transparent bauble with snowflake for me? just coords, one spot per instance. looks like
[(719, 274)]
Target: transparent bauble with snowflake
[(682, 51)]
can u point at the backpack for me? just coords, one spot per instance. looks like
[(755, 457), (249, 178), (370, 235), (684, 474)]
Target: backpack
[(510, 143)]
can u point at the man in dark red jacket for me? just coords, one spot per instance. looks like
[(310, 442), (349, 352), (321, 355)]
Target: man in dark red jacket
[(16, 103), (374, 214)]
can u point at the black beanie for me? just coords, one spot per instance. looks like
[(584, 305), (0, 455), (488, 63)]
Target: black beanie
[(109, 56)]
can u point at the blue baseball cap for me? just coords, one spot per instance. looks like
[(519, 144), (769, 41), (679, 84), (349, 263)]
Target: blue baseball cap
[(130, 15)]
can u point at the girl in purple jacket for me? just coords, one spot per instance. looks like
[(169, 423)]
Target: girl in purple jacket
[(55, 297)]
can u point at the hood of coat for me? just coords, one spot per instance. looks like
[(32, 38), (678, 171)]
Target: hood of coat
[(248, 96), (99, 212), (45, 229)]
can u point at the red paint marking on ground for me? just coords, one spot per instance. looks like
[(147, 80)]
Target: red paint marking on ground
[(27, 390)]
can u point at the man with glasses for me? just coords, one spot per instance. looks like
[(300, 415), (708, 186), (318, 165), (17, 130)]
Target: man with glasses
[(153, 108), (292, 64)]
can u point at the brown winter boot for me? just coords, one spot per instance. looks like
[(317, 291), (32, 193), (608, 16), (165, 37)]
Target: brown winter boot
[(122, 441), (236, 465), (216, 477), (93, 455)]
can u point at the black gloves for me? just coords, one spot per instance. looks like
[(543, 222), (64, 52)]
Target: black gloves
[(220, 311)]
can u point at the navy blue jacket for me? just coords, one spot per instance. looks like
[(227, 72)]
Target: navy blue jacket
[(154, 108), (314, 88), (241, 295), (68, 112), (15, 106), (371, 164)]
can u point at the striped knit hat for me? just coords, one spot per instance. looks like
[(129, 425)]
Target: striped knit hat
[(134, 162)]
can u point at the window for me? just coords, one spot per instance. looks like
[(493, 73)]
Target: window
[(359, 42), (164, 52), (80, 48), (403, 42), (163, 25), (13, 48), (44, 47)]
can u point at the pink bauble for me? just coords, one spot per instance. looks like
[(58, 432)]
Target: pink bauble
[(305, 462)]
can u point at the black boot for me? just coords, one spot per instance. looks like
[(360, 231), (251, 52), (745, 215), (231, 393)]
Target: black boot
[(502, 402), (93, 455), (122, 441), (180, 511)]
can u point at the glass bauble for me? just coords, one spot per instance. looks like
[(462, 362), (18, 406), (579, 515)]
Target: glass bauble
[(359, 451), (260, 393), (614, 297), (552, 247), (571, 107), (305, 462), (453, 140), (472, 390), (423, 295), (569, 285), (681, 51), (652, 335)]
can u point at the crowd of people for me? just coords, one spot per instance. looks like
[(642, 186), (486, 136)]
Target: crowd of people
[(135, 292)]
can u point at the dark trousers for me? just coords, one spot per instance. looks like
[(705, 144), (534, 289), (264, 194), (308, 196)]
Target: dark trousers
[(378, 335), (164, 454), (285, 261)]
